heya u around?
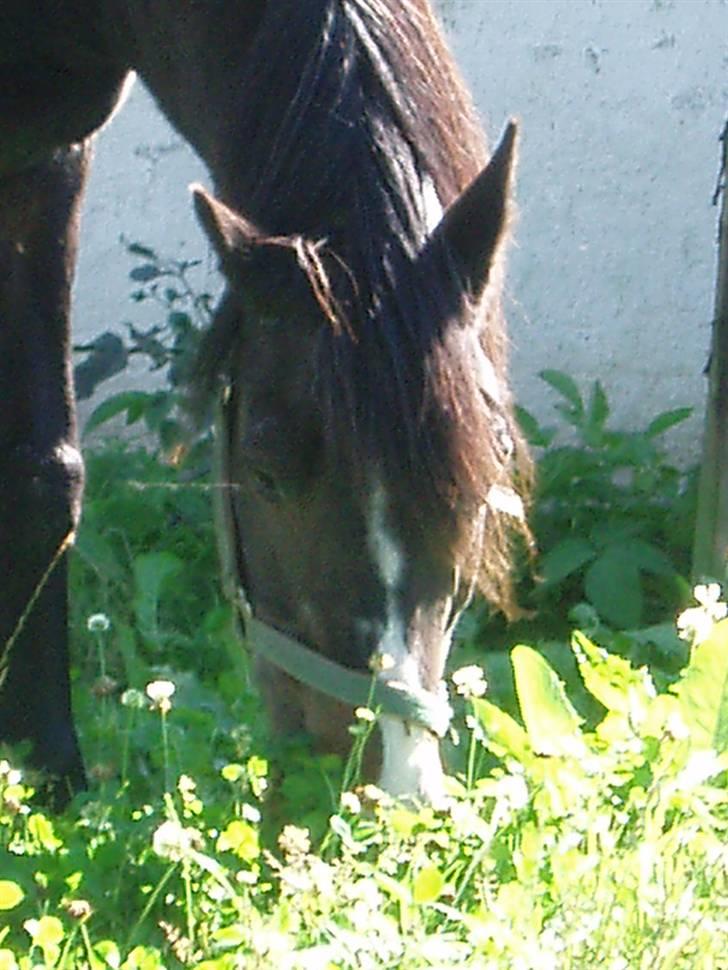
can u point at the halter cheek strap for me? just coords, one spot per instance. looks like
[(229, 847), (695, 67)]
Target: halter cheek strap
[(417, 706)]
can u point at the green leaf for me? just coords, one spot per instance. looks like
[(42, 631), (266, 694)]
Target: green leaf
[(703, 691), (612, 680), (551, 722), (536, 435), (144, 273), (131, 402), (668, 419), (230, 937), (47, 933), (108, 953), (11, 895), (563, 559), (612, 585), (503, 735), (428, 885), (7, 960), (137, 249), (647, 557), (41, 829), (241, 838), (565, 385), (150, 573), (598, 408), (99, 554)]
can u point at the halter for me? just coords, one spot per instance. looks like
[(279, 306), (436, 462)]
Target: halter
[(415, 705)]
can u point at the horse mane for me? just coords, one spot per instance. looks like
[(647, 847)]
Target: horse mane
[(343, 110)]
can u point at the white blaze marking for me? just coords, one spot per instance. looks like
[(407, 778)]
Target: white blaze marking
[(433, 206), (411, 758)]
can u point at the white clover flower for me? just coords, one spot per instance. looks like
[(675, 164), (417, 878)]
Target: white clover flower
[(696, 623), (381, 662), (365, 714), (350, 802), (708, 595), (250, 813), (9, 775), (98, 623), (294, 842), (514, 790), (470, 681), (160, 693), (173, 841), (374, 794), (701, 766)]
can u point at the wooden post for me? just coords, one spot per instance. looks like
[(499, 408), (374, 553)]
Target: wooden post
[(710, 551)]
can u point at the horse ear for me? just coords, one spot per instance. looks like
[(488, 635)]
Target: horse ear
[(474, 223), (232, 236), (269, 271)]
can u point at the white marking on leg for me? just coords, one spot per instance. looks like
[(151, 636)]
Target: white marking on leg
[(411, 757), (411, 763)]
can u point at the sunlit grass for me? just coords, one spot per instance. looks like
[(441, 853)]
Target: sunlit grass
[(565, 844)]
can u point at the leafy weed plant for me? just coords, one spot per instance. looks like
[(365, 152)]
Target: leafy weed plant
[(599, 845), (612, 516)]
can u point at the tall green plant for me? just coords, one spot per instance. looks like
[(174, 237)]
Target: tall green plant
[(612, 515), (170, 345)]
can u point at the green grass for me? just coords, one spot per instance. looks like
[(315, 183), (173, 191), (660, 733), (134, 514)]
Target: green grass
[(588, 823)]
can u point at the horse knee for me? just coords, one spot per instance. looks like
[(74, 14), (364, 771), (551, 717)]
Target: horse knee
[(46, 488)]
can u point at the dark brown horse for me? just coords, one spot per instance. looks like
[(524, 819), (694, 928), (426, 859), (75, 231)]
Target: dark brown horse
[(367, 437)]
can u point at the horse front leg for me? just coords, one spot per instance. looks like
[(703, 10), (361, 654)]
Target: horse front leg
[(41, 471)]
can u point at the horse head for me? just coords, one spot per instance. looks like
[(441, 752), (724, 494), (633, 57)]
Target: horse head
[(360, 480)]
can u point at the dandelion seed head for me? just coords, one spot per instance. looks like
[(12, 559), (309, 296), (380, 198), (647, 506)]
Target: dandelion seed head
[(98, 623)]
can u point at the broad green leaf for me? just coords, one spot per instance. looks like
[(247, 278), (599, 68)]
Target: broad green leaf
[(241, 838), (428, 885), (647, 557), (10, 894), (663, 422), (151, 570), (144, 273), (99, 554), (551, 721), (144, 958), (47, 933), (503, 735), (402, 821), (41, 829), (612, 680), (563, 559), (108, 953), (703, 691), (612, 585), (7, 960), (231, 937), (130, 402)]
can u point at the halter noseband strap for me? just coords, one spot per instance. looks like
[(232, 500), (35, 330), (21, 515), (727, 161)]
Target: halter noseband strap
[(428, 709)]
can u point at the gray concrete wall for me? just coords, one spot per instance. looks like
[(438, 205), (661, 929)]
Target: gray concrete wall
[(621, 103)]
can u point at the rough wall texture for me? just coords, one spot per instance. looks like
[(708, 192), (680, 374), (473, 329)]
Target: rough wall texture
[(621, 103)]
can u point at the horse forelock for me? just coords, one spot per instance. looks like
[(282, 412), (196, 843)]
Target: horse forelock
[(352, 117)]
